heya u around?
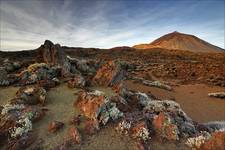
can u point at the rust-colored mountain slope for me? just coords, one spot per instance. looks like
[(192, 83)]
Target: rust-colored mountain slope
[(181, 41)]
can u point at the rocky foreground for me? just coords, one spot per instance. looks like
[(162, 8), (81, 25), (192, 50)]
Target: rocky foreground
[(140, 116)]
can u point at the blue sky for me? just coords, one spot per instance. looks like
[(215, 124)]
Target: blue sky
[(25, 24)]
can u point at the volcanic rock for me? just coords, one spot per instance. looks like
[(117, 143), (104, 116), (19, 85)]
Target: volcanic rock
[(214, 126), (109, 74), (55, 126), (140, 130), (164, 128), (38, 71), (216, 141), (54, 54), (11, 66), (174, 114), (30, 95), (75, 135), (217, 95), (96, 106), (83, 66)]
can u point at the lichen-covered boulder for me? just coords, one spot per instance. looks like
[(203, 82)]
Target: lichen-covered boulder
[(38, 71), (109, 74), (95, 106), (173, 111), (140, 131), (207, 141), (11, 66), (165, 128), (214, 126), (217, 95), (168, 106), (23, 126), (197, 141), (30, 95), (82, 66), (16, 119), (216, 141)]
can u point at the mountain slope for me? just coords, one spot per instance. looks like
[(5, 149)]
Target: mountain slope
[(181, 41)]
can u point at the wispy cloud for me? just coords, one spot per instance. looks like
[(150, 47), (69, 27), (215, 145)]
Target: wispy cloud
[(104, 24)]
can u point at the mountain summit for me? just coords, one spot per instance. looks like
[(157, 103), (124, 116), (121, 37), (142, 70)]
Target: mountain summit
[(180, 41)]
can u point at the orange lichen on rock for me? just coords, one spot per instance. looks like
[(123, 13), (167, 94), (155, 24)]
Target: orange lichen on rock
[(164, 128), (140, 130), (216, 142), (89, 104), (109, 74)]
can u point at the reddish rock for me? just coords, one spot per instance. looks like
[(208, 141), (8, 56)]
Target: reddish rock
[(75, 135), (164, 128), (109, 74), (89, 104), (54, 54), (140, 130), (55, 126), (158, 121), (216, 142)]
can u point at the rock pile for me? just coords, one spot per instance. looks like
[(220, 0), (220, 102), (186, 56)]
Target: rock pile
[(17, 116), (37, 72)]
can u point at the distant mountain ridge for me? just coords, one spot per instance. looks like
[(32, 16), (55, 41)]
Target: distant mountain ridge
[(181, 41)]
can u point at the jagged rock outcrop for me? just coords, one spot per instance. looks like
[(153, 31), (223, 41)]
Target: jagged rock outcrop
[(53, 54)]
